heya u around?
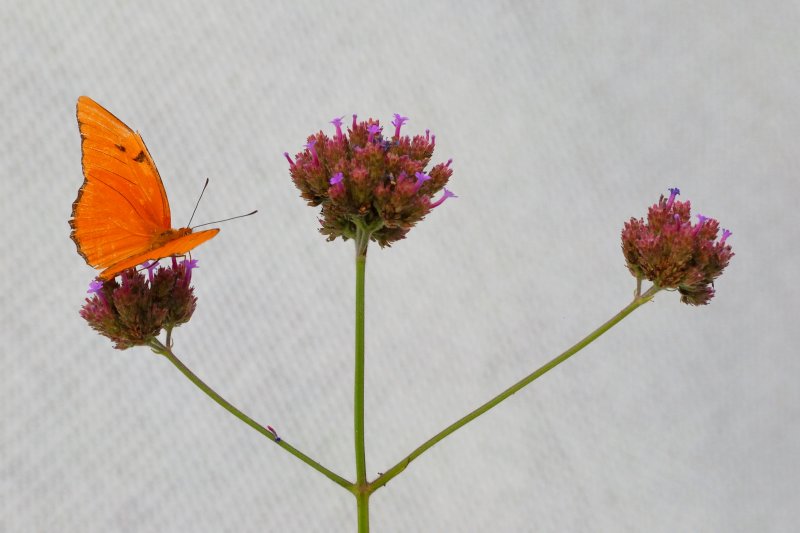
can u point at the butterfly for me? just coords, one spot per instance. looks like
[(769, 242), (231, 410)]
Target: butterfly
[(121, 216)]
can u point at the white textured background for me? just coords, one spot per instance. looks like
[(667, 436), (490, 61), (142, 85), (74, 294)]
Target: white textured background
[(563, 120)]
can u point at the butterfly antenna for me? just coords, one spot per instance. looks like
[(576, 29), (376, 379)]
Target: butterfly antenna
[(226, 219), (197, 204)]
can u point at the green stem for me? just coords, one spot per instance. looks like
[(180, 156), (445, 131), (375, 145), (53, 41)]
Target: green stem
[(158, 347), (399, 467), (358, 400), (361, 488), (362, 501)]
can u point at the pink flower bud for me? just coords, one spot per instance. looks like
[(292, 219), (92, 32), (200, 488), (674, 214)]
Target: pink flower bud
[(373, 130), (397, 123), (337, 122), (447, 194), (310, 147)]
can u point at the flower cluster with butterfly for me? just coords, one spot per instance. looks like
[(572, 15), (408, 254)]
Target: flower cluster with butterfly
[(133, 310), (673, 253), (371, 180)]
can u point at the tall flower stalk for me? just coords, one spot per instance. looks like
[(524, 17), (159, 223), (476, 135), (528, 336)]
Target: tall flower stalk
[(362, 485), (371, 187)]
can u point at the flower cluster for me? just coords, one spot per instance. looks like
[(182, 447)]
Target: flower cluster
[(133, 310), (673, 253), (365, 179)]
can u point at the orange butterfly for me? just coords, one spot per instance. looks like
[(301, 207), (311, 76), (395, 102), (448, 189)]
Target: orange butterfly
[(121, 217)]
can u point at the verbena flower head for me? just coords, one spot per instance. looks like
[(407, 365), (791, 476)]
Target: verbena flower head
[(133, 310), (364, 179), (673, 253)]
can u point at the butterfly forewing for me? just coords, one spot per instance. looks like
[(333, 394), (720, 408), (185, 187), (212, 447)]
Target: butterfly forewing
[(122, 214)]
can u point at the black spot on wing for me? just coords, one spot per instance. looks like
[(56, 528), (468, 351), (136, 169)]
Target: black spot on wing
[(139, 158), (120, 147)]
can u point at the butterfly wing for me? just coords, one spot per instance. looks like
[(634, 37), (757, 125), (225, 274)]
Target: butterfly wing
[(121, 207), (177, 246)]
